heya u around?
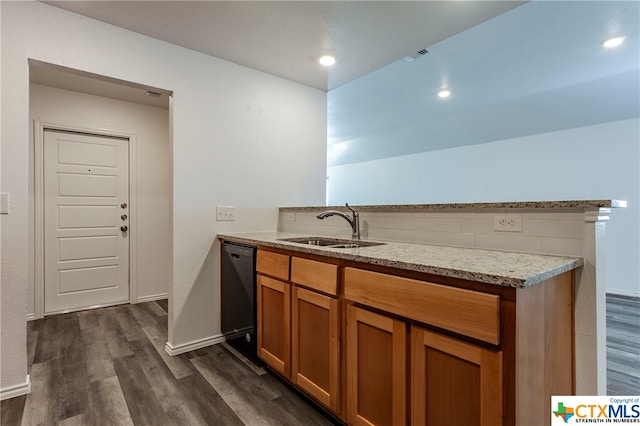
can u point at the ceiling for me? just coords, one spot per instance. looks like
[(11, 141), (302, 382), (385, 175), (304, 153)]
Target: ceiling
[(538, 68), (285, 38), (514, 68)]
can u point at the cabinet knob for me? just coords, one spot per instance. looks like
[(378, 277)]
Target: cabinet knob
[(124, 228), (123, 217), (123, 205)]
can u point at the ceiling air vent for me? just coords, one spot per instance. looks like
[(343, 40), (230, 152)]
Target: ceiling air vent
[(154, 94), (420, 53)]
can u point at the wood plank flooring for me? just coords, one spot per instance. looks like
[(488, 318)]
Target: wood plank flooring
[(623, 345), (108, 367)]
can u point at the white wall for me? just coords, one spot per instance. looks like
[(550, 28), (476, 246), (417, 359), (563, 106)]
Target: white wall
[(593, 162), (240, 137), (150, 126)]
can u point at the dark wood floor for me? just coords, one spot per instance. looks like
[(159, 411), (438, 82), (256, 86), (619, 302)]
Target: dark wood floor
[(623, 345), (108, 367)]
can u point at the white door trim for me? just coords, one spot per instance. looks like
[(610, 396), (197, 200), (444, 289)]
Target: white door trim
[(38, 226)]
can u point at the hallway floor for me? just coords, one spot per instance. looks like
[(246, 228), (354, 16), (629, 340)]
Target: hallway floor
[(108, 367)]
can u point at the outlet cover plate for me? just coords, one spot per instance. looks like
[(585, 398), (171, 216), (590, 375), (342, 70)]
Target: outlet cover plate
[(507, 223)]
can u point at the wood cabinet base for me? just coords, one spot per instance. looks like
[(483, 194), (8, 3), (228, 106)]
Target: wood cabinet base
[(376, 369), (375, 348), (315, 336), (454, 382), (274, 305)]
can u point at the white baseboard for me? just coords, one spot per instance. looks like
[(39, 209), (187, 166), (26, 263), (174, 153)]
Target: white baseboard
[(192, 346), (152, 298), (17, 390), (623, 293)]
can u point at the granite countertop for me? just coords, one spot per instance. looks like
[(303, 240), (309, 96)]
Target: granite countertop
[(525, 205), (487, 266)]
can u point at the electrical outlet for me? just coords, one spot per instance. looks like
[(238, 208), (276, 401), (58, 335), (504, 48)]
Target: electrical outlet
[(507, 223), (225, 213), (291, 217)]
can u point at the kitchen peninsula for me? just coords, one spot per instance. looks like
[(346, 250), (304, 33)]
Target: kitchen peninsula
[(429, 316)]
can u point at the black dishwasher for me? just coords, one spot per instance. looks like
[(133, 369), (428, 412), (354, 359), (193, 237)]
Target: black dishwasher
[(238, 297)]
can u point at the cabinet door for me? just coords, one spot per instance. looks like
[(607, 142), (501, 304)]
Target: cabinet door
[(315, 337), (274, 314), (376, 369), (454, 382)]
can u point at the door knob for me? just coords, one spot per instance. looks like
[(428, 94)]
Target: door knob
[(123, 217), (123, 205), (124, 228)]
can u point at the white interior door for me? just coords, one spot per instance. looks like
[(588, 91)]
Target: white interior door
[(86, 197)]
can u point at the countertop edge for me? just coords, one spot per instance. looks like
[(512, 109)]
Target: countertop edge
[(535, 205), (484, 277)]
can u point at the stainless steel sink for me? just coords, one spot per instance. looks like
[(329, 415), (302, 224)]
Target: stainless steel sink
[(331, 242)]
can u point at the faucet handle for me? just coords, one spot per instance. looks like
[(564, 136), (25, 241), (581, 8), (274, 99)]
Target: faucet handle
[(355, 213)]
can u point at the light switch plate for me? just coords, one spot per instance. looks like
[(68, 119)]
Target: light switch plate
[(4, 203), (225, 213)]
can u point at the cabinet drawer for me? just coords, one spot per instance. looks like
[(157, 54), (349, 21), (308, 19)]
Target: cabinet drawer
[(466, 312), (315, 275), (274, 264)]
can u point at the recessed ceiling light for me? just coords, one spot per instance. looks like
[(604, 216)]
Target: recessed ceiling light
[(444, 93), (613, 42), (327, 59)]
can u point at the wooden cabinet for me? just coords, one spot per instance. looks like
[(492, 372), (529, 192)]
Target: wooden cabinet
[(315, 343), (467, 312), (454, 382), (299, 323), (317, 276), (274, 311), (376, 369), (315, 333), (376, 348), (273, 264), (451, 381)]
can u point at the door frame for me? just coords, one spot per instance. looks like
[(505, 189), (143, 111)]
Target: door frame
[(39, 128)]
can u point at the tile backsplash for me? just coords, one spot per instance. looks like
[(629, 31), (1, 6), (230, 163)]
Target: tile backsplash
[(552, 232)]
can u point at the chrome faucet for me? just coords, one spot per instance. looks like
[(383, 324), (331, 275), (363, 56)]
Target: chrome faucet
[(354, 221)]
